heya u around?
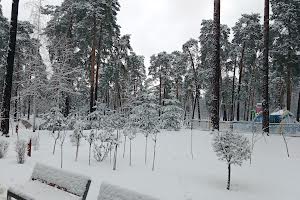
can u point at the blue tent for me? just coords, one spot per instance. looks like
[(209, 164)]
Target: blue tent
[(277, 117)]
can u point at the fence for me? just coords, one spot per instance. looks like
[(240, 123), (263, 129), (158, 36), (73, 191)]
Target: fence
[(248, 126)]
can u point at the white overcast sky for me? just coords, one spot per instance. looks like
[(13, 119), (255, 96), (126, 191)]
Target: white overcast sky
[(163, 25)]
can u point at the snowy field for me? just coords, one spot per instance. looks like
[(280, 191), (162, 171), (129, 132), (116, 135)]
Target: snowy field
[(271, 176)]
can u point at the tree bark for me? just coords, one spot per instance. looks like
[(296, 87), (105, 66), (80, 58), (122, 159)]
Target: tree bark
[(240, 82), (9, 68), (265, 88), (93, 62), (229, 176), (298, 110), (28, 108), (160, 96), (232, 93), (288, 88), (98, 67), (217, 68), (154, 155)]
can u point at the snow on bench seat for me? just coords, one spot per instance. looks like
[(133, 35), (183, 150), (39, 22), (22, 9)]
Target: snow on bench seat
[(49, 182), (112, 192), (35, 190)]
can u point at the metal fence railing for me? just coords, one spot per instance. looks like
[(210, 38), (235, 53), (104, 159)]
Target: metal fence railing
[(248, 126)]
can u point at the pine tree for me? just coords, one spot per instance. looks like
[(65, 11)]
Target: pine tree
[(285, 45), (217, 68), (265, 102), (9, 69)]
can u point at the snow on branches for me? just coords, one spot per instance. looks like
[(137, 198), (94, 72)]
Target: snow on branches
[(231, 148)]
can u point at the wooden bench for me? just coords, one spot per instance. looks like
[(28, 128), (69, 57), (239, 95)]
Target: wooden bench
[(113, 192), (50, 183)]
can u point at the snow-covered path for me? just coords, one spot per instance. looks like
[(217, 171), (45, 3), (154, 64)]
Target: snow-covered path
[(271, 176)]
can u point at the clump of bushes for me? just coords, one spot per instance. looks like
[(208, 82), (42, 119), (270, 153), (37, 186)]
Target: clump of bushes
[(3, 148), (21, 147)]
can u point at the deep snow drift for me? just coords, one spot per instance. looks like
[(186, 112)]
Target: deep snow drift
[(271, 176)]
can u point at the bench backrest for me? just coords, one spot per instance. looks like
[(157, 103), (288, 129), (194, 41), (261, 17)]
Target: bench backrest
[(70, 182), (112, 192)]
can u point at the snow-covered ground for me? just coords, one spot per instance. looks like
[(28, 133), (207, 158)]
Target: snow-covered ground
[(271, 176)]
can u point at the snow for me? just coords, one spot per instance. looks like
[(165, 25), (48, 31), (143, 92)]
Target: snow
[(35, 190), (271, 176), (112, 192), (73, 183)]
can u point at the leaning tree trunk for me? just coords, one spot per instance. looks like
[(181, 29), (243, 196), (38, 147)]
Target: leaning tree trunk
[(265, 87), (216, 67), (9, 68), (298, 110), (240, 83)]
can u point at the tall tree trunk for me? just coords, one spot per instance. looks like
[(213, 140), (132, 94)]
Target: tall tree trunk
[(9, 68), (298, 110), (245, 110), (177, 90), (288, 88), (93, 62), (217, 68), (232, 93), (160, 95), (16, 92), (28, 108), (224, 113), (240, 82), (34, 113), (16, 105), (265, 88), (98, 67)]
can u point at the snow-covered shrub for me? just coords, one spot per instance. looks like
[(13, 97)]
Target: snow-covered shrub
[(35, 142), (104, 143), (3, 148), (2, 191), (231, 148), (101, 151), (172, 115), (21, 148), (113, 124), (73, 140), (144, 118)]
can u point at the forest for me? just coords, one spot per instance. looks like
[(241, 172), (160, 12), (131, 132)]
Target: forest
[(71, 82)]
